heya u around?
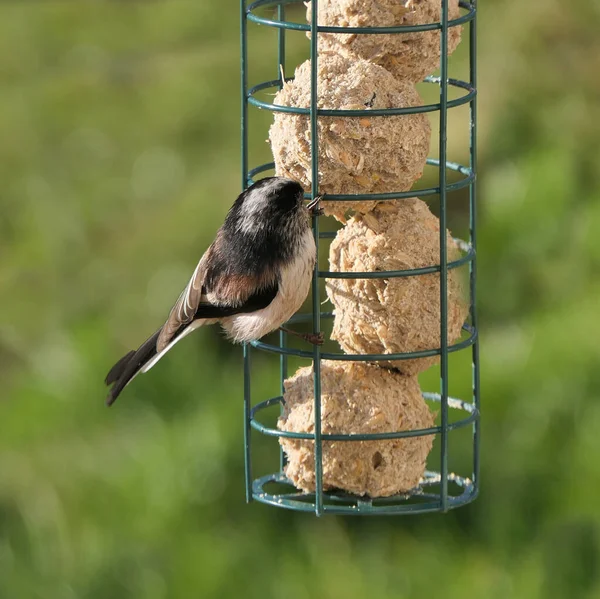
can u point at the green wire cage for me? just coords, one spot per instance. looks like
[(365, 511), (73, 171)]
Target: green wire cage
[(438, 491)]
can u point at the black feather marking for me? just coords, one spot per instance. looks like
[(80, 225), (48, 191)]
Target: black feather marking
[(117, 370), (128, 366), (257, 301)]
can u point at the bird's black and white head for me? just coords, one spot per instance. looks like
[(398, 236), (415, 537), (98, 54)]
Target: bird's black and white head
[(270, 213), (269, 202)]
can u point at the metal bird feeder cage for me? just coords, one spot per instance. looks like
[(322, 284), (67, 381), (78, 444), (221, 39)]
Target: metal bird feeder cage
[(438, 491)]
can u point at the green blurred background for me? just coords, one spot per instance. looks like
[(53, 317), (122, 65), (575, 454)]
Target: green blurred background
[(119, 156)]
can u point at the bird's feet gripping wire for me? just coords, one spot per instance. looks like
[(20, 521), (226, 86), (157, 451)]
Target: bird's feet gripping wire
[(312, 338)]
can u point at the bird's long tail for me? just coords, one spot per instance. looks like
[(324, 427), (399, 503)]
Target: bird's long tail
[(144, 358), (129, 366)]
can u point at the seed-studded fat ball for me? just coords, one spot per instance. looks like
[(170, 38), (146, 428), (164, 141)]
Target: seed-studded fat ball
[(410, 56), (357, 155), (357, 398), (396, 315)]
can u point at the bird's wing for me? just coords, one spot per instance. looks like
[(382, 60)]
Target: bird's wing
[(212, 293), (186, 305), (257, 301)]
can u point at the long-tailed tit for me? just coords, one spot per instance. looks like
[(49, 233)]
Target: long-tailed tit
[(251, 280)]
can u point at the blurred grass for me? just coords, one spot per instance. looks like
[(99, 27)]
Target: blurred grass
[(119, 156)]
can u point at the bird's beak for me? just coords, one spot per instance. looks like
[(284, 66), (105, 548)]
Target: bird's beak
[(314, 203)]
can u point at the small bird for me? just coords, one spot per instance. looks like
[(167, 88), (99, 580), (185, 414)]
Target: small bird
[(255, 275)]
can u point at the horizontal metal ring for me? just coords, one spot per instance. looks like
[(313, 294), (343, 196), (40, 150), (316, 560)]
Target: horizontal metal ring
[(346, 504), (394, 274), (426, 353), (370, 112), (304, 317), (469, 178), (399, 29), (453, 403)]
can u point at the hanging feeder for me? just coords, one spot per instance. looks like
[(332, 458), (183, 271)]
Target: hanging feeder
[(357, 435)]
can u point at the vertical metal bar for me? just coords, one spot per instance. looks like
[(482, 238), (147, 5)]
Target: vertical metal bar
[(281, 46), (282, 336), (244, 88), (316, 304), (473, 238), (283, 360), (443, 254), (247, 430), (316, 307), (283, 373)]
